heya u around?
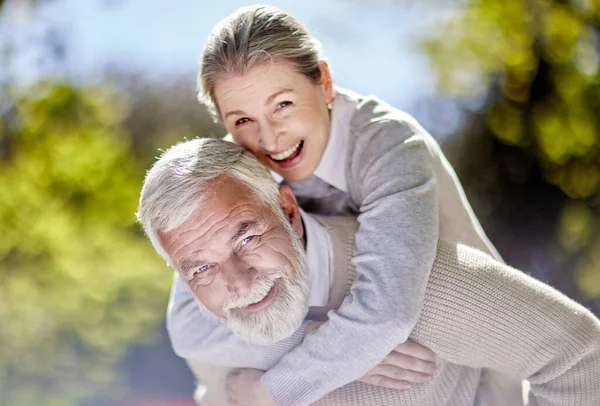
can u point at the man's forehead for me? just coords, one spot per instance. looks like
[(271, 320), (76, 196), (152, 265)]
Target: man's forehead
[(194, 252), (215, 223), (223, 236), (214, 228)]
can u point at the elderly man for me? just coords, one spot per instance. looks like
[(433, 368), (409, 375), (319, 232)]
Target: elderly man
[(238, 240)]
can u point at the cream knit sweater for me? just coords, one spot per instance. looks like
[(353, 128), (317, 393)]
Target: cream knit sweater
[(478, 313)]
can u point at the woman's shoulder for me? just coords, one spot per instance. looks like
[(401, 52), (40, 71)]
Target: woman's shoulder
[(376, 122), (371, 111), (378, 129)]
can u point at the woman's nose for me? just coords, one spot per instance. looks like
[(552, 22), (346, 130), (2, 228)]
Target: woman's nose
[(269, 138)]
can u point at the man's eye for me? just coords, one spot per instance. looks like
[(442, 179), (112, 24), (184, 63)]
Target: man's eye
[(247, 239), (283, 104), (242, 121), (202, 269)]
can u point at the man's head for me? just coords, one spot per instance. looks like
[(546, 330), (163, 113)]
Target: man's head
[(218, 217)]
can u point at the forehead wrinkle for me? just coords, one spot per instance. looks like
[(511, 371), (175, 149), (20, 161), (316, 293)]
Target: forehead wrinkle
[(183, 246), (243, 92), (225, 221), (255, 80), (208, 219), (192, 227), (180, 238)]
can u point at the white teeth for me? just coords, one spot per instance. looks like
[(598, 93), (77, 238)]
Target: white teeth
[(260, 290), (286, 154)]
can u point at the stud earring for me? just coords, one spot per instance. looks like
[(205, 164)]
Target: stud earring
[(330, 105)]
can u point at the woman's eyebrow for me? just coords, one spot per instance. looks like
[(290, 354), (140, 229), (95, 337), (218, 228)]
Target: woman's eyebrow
[(231, 113), (243, 228), (274, 95)]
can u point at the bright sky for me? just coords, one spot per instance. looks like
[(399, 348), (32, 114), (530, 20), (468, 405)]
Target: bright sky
[(370, 45)]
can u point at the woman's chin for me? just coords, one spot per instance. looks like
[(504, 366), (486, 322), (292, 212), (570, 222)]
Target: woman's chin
[(294, 174)]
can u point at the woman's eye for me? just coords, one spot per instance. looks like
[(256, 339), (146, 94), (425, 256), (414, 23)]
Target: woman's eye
[(283, 104), (247, 239), (242, 121)]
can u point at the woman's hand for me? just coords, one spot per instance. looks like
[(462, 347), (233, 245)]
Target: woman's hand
[(407, 364)]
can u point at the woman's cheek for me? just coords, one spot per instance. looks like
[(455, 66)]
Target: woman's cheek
[(238, 138), (304, 126), (250, 144)]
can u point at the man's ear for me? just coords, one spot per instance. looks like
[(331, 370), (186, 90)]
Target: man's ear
[(289, 204)]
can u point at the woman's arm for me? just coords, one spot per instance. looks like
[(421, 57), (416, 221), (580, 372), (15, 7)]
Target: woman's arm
[(393, 181), (210, 348)]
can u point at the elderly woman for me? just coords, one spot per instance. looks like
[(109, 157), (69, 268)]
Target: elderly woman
[(264, 76)]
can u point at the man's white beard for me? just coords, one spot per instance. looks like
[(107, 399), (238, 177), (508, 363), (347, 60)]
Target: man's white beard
[(287, 311)]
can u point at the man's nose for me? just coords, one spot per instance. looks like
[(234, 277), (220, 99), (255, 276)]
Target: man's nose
[(237, 276)]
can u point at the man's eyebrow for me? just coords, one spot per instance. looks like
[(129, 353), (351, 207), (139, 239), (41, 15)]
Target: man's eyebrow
[(187, 265), (243, 228), (274, 95)]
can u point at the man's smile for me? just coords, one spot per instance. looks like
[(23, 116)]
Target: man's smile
[(264, 302)]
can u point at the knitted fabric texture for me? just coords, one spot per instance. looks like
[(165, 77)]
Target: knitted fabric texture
[(479, 313)]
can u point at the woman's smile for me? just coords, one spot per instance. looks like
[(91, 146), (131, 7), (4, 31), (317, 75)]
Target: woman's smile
[(290, 157), (279, 115)]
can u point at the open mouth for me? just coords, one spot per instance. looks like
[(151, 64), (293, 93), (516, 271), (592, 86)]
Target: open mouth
[(265, 301), (288, 157)]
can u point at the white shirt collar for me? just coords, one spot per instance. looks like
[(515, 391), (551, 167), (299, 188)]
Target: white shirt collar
[(332, 168), (320, 260)]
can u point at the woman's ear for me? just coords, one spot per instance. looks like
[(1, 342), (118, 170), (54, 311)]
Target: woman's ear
[(326, 82), (289, 204)]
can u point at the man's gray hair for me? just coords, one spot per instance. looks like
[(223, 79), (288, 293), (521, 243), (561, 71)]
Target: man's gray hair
[(176, 185), (250, 37)]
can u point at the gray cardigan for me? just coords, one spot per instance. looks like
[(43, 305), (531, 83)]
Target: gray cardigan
[(405, 193)]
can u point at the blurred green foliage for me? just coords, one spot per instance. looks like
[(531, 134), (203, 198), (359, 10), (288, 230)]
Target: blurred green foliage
[(78, 281), (534, 69), (544, 58)]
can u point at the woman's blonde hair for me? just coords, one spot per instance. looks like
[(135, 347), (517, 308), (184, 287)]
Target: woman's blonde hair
[(250, 37)]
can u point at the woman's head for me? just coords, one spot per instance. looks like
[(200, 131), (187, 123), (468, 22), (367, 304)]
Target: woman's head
[(263, 75)]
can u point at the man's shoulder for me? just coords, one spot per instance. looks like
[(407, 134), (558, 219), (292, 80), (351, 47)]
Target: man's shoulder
[(459, 260), (338, 224)]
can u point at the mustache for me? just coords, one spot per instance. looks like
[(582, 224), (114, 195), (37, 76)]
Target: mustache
[(260, 288)]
